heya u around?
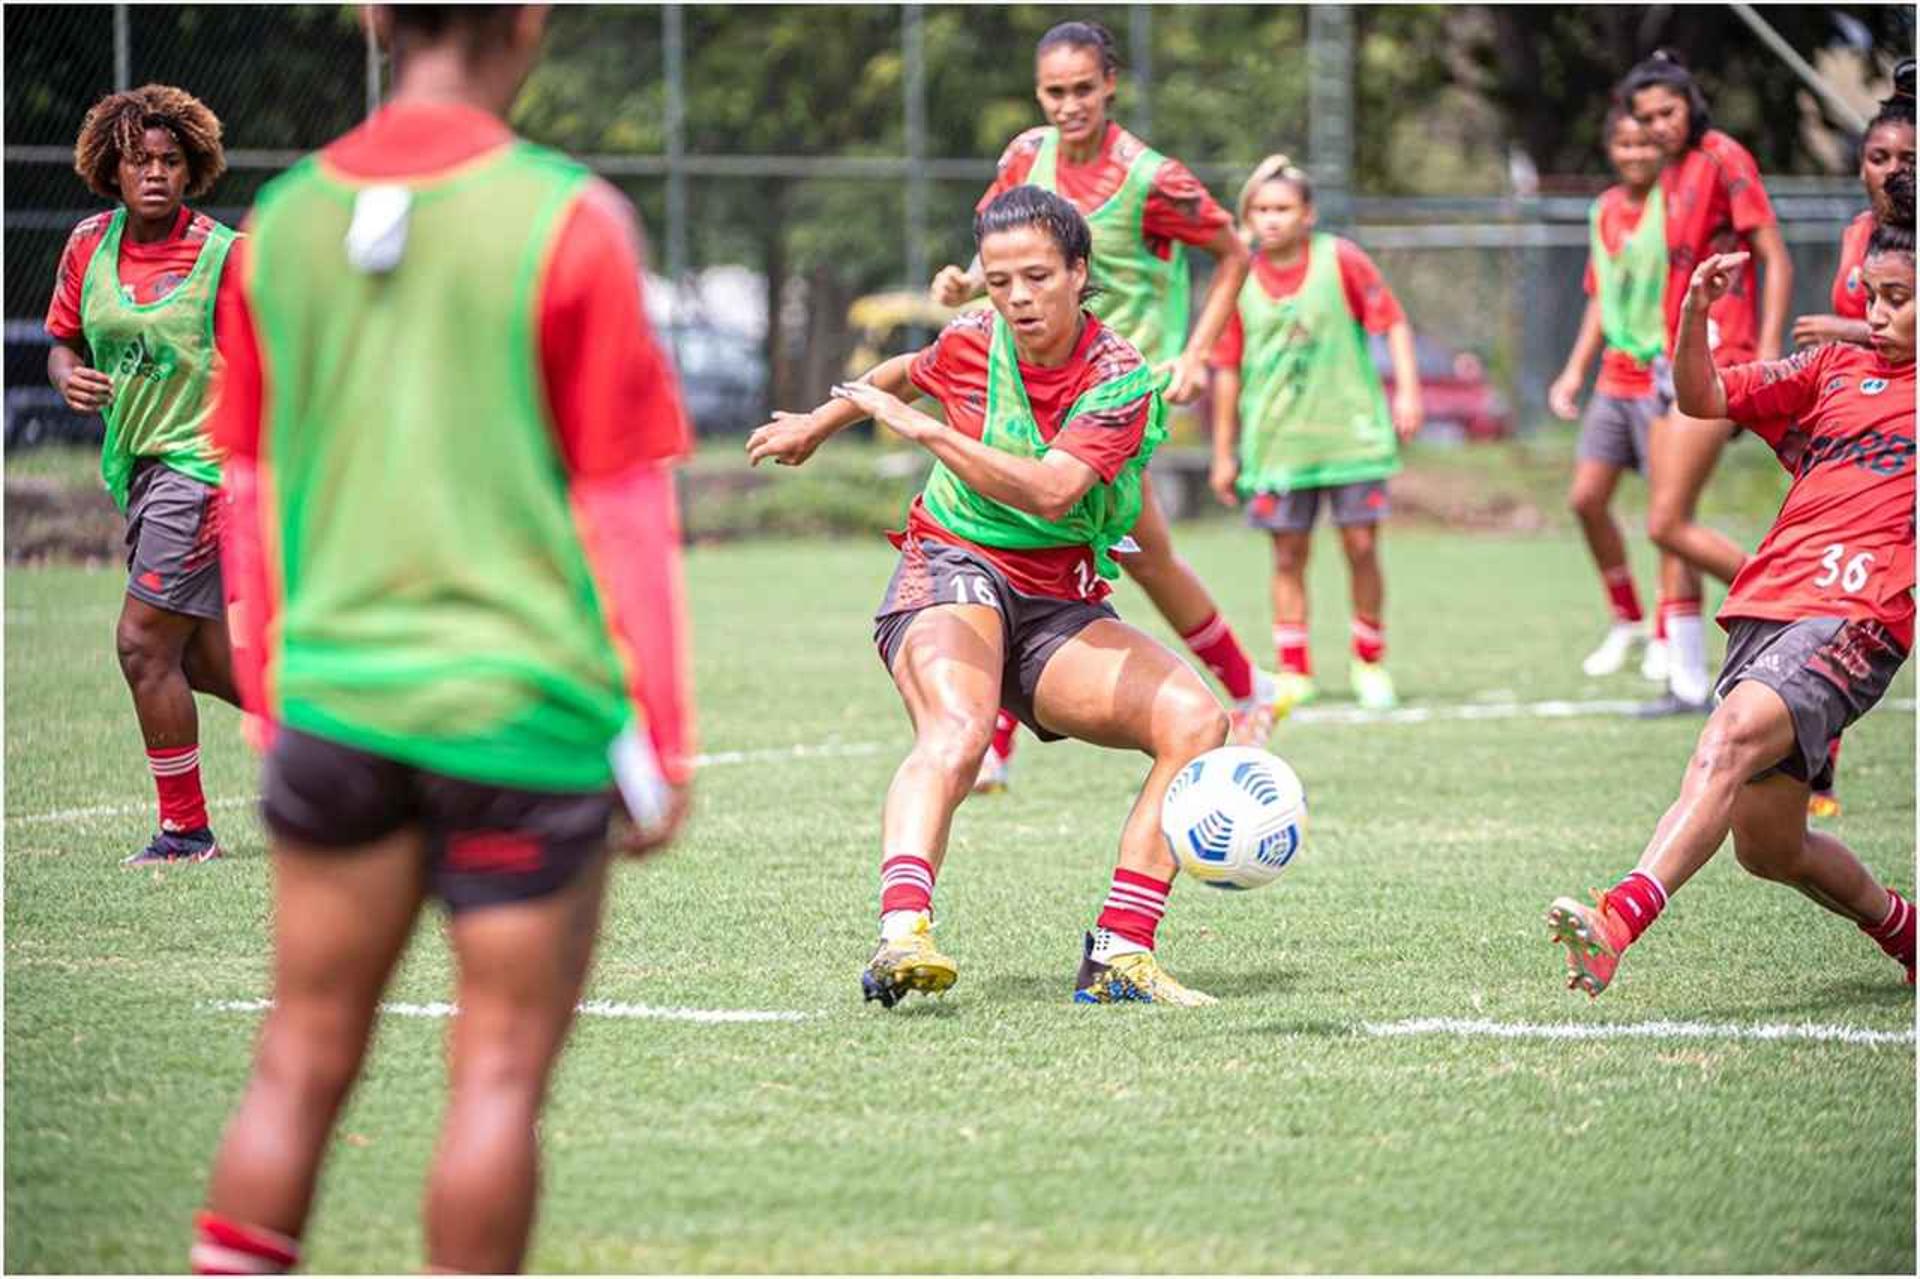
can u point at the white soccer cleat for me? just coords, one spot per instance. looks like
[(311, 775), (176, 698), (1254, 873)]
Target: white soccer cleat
[(995, 770), (1611, 656)]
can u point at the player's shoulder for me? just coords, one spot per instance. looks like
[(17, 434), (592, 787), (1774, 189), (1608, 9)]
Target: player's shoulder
[(1108, 355), (1610, 199), (202, 227), (90, 230), (970, 326), (1725, 150), (1025, 145)]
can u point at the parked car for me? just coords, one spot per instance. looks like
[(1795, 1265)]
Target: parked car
[(1460, 403), (723, 376)]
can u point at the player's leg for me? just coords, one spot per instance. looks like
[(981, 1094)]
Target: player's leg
[(1824, 800), (1357, 511), (151, 643), (1114, 686), (1288, 519), (208, 661), (1682, 454), (1590, 498), (523, 940), (1182, 598)]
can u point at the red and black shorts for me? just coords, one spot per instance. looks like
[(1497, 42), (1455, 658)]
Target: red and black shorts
[(1035, 626), (486, 845), (173, 541), (1828, 670)]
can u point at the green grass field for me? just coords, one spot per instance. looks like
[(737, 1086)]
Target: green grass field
[(1002, 1128)]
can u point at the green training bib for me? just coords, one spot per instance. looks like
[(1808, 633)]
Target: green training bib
[(1631, 284)]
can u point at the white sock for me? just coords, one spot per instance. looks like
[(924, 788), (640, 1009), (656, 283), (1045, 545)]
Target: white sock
[(1687, 655), (1107, 944), (896, 924)]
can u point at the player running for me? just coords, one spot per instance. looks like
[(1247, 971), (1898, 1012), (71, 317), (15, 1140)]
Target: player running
[(1145, 209), (1886, 147), (1818, 620), (1625, 322), (999, 596), (1299, 414), (1714, 202), (132, 328), (455, 547)]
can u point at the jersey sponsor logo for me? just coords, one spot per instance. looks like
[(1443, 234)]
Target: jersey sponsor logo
[(1834, 383), (1872, 385), (1870, 451), (144, 359)]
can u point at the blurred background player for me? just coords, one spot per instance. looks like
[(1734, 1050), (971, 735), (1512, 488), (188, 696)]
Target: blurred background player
[(1299, 414), (132, 324), (1625, 322), (1144, 209), (1818, 621), (999, 596), (1886, 146), (1714, 202), (456, 557)]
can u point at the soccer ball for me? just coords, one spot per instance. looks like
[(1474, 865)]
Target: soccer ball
[(1235, 817)]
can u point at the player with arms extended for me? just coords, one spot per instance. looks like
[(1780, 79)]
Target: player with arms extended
[(1818, 621), (1145, 210), (999, 596), (456, 557), (132, 324), (1299, 414)]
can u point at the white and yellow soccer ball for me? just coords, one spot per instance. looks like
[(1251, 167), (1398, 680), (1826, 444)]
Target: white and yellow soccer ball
[(1235, 817)]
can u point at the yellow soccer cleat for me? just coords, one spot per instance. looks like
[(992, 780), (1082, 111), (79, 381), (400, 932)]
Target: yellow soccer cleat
[(906, 964), (1823, 804), (1292, 689), (1136, 978), (1373, 687)]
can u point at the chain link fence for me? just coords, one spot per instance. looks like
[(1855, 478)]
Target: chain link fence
[(712, 122)]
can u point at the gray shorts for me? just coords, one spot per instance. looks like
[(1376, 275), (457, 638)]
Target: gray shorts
[(1614, 430), (928, 576), (1828, 670), (1362, 502), (173, 541)]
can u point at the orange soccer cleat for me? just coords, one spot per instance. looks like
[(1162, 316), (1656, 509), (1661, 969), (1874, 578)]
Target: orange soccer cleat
[(1595, 939)]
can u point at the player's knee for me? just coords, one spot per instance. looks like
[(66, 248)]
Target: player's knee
[(143, 651), (1731, 746), (1664, 524), (310, 1057), (954, 746), (1587, 506), (1289, 558), (1195, 724), (1766, 853)]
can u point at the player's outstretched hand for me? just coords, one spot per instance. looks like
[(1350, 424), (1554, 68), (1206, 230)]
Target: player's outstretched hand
[(789, 440), (1186, 378), (1223, 477), (1409, 415), (87, 390), (886, 408), (1713, 278), (952, 286), (629, 840), (1563, 397)]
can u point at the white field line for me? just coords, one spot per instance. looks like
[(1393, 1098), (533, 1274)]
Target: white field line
[(590, 1008), (1333, 715), (1471, 1028)]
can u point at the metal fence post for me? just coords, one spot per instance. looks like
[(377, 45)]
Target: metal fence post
[(913, 53), (1140, 43), (122, 51), (373, 68), (1330, 107)]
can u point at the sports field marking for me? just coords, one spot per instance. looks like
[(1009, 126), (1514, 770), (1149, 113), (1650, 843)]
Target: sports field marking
[(1471, 1028), (589, 1008)]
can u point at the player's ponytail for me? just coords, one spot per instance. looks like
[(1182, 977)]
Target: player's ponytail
[(1275, 168), (1081, 35), (1664, 70), (1033, 206), (1895, 234)]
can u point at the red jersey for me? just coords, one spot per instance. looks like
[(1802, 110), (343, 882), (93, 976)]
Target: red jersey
[(1369, 300), (148, 271), (1841, 420), (954, 371), (1715, 201), (1178, 207), (1849, 294), (1620, 374)]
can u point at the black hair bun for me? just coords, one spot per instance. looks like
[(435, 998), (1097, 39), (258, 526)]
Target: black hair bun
[(1903, 78)]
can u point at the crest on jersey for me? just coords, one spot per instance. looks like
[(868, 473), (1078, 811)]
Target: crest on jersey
[(1853, 281), (1872, 385)]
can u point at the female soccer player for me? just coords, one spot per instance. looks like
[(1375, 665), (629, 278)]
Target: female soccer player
[(132, 324), (1144, 210), (457, 575), (1625, 322), (1818, 620), (1714, 203), (1299, 414), (1886, 147), (998, 599)]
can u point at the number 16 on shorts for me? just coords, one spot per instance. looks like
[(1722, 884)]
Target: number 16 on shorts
[(969, 588)]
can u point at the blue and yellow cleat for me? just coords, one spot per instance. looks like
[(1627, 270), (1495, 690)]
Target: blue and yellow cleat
[(1133, 978), (907, 964)]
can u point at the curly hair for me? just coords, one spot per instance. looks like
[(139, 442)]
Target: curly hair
[(114, 126)]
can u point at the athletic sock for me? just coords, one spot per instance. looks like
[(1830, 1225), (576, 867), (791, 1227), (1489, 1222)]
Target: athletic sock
[(1004, 727), (1620, 593), (1107, 945), (1894, 934), (1687, 651), (1636, 902), (1660, 620), (1369, 638), (176, 776), (1290, 647), (1215, 644), (222, 1247), (906, 884), (1134, 905)]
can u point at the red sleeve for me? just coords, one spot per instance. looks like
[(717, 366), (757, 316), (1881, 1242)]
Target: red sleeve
[(1106, 438), (1746, 195), (63, 312), (1016, 162), (1179, 207), (614, 398), (234, 423), (1767, 396), (957, 356), (1228, 346), (1368, 296)]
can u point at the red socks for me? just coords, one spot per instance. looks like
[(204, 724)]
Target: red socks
[(1894, 934), (906, 883), (1213, 642), (1290, 646), (176, 775), (1369, 639), (222, 1247), (1134, 906), (1636, 902), (1004, 728), (1620, 593)]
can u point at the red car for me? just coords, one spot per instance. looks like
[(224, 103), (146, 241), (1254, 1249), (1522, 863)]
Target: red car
[(1460, 403)]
